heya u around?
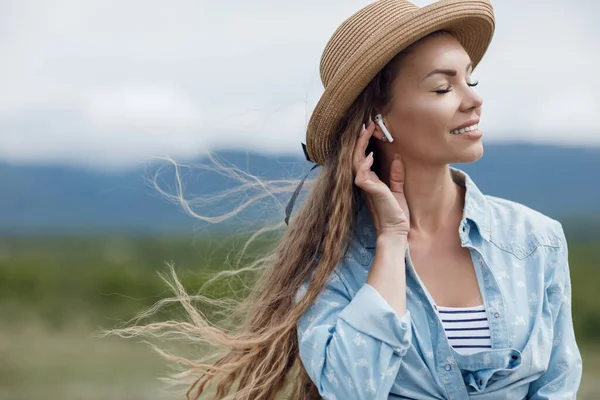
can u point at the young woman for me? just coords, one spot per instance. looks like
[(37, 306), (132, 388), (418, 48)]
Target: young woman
[(398, 278)]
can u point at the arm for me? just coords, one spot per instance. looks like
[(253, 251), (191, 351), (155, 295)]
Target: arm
[(563, 376), (352, 348)]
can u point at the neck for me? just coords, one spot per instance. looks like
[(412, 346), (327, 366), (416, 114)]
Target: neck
[(434, 200)]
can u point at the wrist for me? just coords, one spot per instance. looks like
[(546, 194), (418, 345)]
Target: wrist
[(391, 239)]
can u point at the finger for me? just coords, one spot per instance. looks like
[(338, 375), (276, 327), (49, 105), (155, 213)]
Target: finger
[(362, 174), (378, 133), (364, 179), (359, 149), (361, 145), (397, 174)]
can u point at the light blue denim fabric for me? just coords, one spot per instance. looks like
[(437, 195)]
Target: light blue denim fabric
[(354, 346)]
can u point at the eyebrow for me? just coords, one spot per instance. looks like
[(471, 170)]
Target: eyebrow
[(449, 72)]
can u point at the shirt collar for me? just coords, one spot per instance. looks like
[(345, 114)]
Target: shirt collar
[(477, 210)]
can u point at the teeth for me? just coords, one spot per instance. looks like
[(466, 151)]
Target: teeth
[(463, 130)]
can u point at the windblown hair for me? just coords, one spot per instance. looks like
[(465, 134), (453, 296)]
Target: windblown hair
[(253, 353)]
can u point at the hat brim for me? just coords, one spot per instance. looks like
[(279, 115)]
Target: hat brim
[(470, 21)]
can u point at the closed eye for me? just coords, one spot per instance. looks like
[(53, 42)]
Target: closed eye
[(442, 91)]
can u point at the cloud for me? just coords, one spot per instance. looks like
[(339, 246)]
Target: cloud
[(149, 108), (115, 83)]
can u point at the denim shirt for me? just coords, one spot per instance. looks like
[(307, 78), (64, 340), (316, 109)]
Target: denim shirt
[(354, 346)]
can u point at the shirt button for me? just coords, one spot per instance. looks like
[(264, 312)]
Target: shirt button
[(397, 350), (448, 367), (496, 315)]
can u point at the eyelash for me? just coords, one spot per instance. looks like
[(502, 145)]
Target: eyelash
[(443, 91)]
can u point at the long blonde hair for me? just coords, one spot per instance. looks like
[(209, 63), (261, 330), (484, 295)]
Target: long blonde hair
[(253, 352)]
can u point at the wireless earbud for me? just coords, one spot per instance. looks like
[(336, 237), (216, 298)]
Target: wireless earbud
[(379, 121)]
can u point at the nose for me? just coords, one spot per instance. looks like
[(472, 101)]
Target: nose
[(471, 100)]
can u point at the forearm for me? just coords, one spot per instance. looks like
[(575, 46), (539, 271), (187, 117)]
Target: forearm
[(353, 347), (388, 272)]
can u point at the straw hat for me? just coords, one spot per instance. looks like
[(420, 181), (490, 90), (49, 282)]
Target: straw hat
[(364, 43)]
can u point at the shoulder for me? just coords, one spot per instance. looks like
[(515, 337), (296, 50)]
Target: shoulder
[(514, 212), (521, 229)]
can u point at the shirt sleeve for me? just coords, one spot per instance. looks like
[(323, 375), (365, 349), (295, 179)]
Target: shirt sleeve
[(352, 348), (563, 377)]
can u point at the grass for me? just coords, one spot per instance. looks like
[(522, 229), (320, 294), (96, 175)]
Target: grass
[(42, 364), (38, 363), (107, 279), (590, 385)]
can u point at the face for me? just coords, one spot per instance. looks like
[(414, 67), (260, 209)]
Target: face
[(428, 105)]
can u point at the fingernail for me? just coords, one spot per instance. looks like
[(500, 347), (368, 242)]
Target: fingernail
[(370, 155), (362, 130)]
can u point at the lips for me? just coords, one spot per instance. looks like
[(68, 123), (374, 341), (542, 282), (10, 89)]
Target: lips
[(470, 122)]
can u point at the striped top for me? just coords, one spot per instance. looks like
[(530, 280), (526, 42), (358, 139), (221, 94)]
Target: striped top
[(467, 329)]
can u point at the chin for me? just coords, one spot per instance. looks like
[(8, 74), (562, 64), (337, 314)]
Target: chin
[(469, 154)]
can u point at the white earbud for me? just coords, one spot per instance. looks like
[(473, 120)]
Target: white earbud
[(379, 121)]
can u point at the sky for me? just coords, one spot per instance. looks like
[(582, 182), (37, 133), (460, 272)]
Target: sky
[(108, 83)]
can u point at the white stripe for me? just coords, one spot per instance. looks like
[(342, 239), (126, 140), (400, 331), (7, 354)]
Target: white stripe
[(482, 332), (470, 342), (463, 325)]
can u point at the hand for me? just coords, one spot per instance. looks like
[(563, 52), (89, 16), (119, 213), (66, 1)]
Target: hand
[(387, 204)]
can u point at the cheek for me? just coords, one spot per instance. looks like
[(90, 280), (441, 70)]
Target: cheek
[(427, 117), (435, 115)]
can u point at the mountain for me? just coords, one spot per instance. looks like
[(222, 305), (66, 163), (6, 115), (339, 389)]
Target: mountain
[(563, 182)]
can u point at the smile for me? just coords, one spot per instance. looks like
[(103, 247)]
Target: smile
[(463, 130)]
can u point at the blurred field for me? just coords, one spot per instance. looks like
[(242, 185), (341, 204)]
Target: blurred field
[(55, 292), (38, 363), (69, 365)]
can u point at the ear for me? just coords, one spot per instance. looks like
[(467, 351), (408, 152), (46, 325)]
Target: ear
[(378, 133)]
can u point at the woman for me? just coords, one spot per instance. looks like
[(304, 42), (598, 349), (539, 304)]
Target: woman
[(480, 305), (398, 278)]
